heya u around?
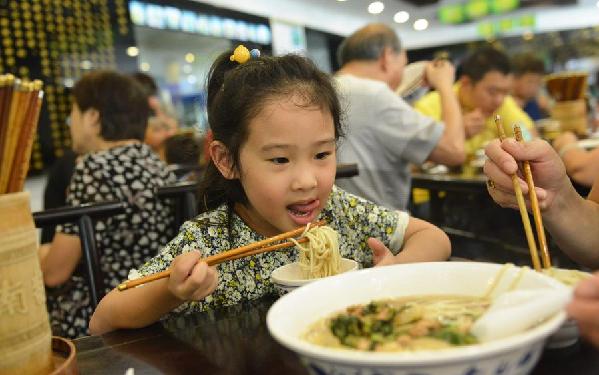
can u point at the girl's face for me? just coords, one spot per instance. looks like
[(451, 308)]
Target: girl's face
[(287, 166)]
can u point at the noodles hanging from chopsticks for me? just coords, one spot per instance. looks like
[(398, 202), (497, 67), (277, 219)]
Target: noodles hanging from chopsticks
[(320, 256)]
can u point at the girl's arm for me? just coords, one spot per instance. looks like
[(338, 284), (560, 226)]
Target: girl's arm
[(423, 242), (146, 304)]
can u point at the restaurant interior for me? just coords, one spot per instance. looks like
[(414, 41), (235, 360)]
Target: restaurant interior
[(299, 187)]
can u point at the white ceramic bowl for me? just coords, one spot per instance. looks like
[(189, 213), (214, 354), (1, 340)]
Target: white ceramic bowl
[(290, 276), (290, 317)]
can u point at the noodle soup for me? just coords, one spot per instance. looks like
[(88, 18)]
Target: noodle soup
[(402, 324)]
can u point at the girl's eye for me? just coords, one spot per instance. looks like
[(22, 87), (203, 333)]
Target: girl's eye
[(323, 155), (279, 160)]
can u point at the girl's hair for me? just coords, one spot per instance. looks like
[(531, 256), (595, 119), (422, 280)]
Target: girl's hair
[(238, 92), (120, 101)]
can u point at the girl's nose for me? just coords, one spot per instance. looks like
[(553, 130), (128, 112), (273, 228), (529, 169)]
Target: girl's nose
[(304, 179)]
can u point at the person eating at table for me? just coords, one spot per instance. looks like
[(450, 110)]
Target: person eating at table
[(581, 165), (571, 219), (275, 122), (483, 91), (107, 124), (528, 81), (385, 135)]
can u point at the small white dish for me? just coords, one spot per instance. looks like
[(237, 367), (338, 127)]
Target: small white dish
[(290, 276), (412, 78)]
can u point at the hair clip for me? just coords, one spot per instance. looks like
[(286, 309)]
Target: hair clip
[(241, 54)]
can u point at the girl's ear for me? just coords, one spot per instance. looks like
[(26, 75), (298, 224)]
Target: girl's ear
[(222, 159)]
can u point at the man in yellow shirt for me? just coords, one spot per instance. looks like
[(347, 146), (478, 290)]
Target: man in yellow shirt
[(483, 92)]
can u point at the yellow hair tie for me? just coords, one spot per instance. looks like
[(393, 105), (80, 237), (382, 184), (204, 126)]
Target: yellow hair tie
[(241, 54)]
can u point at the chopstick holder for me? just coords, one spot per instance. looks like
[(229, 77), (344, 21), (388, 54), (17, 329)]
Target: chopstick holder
[(530, 239), (240, 252)]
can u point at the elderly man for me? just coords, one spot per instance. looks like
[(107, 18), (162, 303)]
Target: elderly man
[(384, 134)]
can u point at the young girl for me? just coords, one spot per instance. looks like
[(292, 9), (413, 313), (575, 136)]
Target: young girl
[(276, 122)]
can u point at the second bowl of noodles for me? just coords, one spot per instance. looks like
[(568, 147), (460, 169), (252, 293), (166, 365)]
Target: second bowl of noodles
[(293, 275)]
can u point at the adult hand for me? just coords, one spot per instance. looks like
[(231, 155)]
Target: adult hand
[(190, 279), (381, 255), (547, 169), (439, 74), (474, 122), (584, 308)]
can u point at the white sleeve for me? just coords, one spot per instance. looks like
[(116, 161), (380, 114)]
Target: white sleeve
[(397, 237)]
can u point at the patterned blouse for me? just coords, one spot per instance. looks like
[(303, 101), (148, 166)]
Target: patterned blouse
[(354, 218), (130, 173)]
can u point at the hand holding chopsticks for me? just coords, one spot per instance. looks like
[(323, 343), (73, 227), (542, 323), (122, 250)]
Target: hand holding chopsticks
[(534, 204), (259, 247)]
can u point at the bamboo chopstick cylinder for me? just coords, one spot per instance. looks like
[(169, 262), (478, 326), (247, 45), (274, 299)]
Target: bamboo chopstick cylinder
[(240, 252), (20, 96), (534, 255), (9, 81), (28, 131), (534, 202)]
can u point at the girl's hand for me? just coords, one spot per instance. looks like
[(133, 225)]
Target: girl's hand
[(381, 255), (190, 280), (584, 308)]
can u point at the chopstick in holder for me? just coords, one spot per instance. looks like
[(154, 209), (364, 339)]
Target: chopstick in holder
[(534, 202), (240, 252), (532, 246)]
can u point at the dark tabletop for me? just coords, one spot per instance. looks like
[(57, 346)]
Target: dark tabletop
[(235, 340)]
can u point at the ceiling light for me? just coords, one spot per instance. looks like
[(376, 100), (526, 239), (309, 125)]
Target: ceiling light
[(376, 7), (420, 24), (341, 0), (401, 17), (190, 57), (132, 51), (144, 66)]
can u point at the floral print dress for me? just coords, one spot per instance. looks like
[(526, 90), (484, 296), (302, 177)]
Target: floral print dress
[(129, 173), (354, 218)]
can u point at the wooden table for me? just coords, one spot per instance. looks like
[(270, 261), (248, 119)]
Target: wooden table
[(235, 341)]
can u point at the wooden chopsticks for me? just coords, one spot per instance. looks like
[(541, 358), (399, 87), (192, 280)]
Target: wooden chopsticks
[(534, 204), (240, 252)]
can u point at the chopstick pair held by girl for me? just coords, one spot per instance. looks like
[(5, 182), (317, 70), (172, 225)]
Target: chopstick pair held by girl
[(276, 123)]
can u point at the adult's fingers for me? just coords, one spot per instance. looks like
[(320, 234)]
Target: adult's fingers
[(500, 178), (536, 150), (501, 157)]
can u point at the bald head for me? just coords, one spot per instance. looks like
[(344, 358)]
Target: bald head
[(368, 43)]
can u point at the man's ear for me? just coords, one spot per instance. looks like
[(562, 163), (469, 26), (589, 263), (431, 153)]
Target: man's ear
[(222, 158), (384, 59)]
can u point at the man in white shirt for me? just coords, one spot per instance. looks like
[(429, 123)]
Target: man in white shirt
[(384, 133)]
